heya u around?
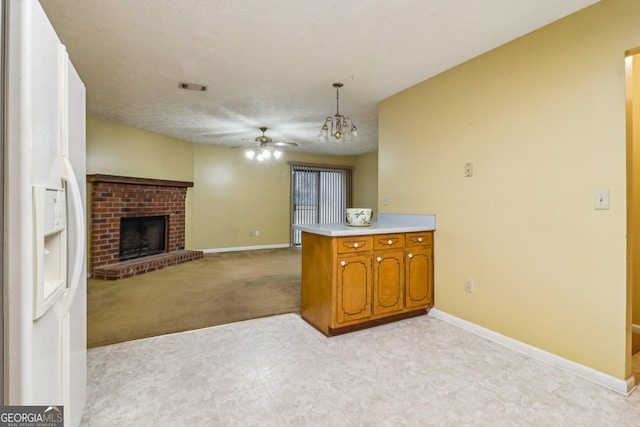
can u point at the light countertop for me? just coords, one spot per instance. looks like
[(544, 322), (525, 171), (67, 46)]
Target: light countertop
[(386, 224)]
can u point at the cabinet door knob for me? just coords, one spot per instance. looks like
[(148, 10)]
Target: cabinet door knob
[(410, 255), (355, 245), (390, 242), (379, 259), (419, 239), (343, 263)]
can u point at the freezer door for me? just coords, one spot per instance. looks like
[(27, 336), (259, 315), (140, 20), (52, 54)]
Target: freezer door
[(45, 358), (75, 365)]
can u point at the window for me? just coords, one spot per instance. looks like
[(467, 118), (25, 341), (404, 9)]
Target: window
[(319, 195)]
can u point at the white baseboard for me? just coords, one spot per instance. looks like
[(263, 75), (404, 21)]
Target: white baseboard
[(635, 329), (624, 387), (245, 248)]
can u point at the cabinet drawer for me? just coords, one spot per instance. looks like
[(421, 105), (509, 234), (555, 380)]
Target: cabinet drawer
[(353, 244), (423, 238), (388, 241)]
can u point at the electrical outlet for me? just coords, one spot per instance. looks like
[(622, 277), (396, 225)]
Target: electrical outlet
[(257, 233), (468, 170), (468, 285), (385, 199)]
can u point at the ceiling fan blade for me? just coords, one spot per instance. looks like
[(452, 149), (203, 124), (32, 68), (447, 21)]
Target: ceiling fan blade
[(223, 133), (264, 141), (246, 145)]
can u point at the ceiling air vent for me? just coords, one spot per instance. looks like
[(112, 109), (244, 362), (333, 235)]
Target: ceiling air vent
[(192, 86)]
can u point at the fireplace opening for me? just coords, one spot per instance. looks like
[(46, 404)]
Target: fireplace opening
[(142, 236)]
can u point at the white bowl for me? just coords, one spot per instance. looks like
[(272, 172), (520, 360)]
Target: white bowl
[(358, 216)]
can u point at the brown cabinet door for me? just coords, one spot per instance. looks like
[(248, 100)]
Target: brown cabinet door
[(388, 281), (353, 300), (419, 278)]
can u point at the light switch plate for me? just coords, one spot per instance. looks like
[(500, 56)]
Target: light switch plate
[(601, 200)]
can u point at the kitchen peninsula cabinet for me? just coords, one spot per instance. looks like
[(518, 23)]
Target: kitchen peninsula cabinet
[(353, 278), (419, 264)]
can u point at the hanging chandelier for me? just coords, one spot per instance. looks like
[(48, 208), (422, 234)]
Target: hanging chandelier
[(339, 126)]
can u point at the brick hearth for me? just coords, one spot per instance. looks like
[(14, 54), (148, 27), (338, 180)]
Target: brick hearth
[(115, 197)]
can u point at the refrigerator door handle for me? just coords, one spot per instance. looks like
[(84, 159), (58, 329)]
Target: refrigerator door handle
[(73, 190)]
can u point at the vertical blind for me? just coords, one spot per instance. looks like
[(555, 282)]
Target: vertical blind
[(319, 195)]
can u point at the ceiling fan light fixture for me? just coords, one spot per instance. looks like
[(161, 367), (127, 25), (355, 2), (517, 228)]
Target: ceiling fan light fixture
[(263, 153), (264, 148), (333, 125)]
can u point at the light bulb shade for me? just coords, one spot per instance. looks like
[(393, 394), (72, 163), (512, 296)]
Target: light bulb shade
[(263, 153)]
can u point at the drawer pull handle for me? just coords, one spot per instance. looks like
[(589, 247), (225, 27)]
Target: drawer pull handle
[(343, 263), (410, 255), (390, 242), (355, 245), (419, 239), (379, 259)]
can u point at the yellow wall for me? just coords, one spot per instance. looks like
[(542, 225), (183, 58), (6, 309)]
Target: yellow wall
[(231, 197), (117, 149), (235, 196), (542, 119), (365, 181)]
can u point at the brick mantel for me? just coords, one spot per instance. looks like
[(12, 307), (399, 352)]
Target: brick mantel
[(115, 197)]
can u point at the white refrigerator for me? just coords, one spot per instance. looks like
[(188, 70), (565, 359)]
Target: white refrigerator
[(44, 221)]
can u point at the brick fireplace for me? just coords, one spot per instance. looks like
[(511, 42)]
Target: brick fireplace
[(117, 197)]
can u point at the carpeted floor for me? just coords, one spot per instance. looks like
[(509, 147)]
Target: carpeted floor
[(218, 289)]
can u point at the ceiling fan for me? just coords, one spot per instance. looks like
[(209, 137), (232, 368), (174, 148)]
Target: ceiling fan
[(264, 147)]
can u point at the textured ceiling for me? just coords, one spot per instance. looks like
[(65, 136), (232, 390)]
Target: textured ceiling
[(272, 63)]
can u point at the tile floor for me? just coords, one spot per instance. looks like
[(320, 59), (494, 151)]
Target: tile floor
[(279, 371)]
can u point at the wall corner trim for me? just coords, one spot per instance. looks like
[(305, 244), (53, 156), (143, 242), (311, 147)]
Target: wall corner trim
[(624, 387)]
